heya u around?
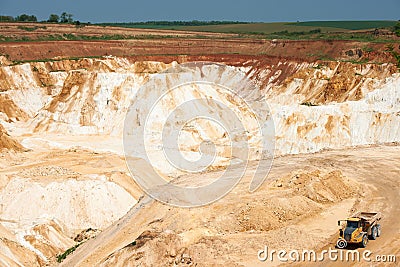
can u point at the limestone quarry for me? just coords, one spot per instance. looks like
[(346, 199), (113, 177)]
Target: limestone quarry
[(64, 180)]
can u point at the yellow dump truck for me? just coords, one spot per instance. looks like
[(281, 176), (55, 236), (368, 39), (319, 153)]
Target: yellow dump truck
[(359, 228)]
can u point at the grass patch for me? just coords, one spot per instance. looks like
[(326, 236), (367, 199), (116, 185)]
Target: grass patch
[(368, 49), (28, 29), (396, 29), (318, 66), (348, 25), (31, 29), (354, 61), (321, 56), (63, 256), (258, 28), (308, 104), (169, 24)]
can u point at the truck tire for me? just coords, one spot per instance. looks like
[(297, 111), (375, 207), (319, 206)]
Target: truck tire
[(364, 241), (374, 232), (378, 230)]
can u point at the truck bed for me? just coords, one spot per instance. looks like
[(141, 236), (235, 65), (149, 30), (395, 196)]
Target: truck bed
[(368, 216)]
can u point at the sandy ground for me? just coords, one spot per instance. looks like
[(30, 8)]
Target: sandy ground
[(216, 235)]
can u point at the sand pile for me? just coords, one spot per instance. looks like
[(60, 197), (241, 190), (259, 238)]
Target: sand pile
[(8, 143), (319, 187), (84, 204)]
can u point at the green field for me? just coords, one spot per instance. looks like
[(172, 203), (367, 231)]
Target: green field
[(256, 28), (309, 30), (262, 28), (348, 25)]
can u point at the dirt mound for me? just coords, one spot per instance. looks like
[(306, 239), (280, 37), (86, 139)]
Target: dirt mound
[(8, 143), (319, 187), (296, 196), (219, 230), (144, 251)]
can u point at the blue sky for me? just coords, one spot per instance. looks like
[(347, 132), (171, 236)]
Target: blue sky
[(242, 10)]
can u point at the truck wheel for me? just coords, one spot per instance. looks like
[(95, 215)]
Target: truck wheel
[(364, 241), (378, 230), (374, 232)]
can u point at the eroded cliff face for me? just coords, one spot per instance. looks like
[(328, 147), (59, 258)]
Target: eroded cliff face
[(314, 106)]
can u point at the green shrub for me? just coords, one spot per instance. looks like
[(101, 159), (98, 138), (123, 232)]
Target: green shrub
[(368, 49), (62, 257), (28, 29), (308, 104)]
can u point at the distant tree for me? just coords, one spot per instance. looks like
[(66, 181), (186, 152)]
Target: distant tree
[(66, 18), (53, 18), (6, 18), (70, 18), (25, 17)]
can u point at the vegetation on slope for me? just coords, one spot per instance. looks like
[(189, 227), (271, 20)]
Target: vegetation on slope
[(64, 255), (348, 25), (265, 28)]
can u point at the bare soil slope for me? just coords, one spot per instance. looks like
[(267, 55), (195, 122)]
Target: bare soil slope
[(295, 209), (143, 44)]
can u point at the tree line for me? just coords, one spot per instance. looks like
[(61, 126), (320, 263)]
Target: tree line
[(63, 18)]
